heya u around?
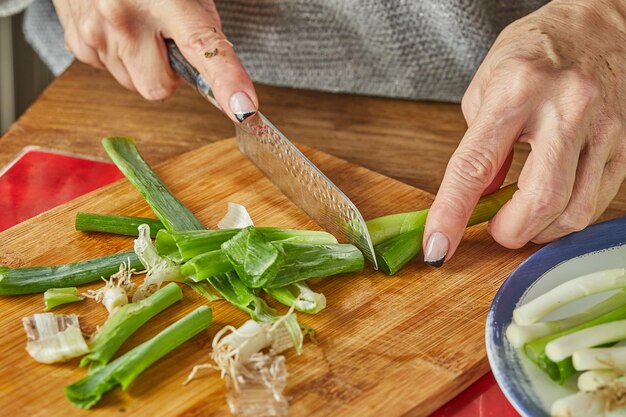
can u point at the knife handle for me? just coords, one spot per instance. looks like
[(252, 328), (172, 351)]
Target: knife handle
[(182, 67)]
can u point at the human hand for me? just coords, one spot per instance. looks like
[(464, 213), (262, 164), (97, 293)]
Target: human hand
[(127, 38), (556, 80)]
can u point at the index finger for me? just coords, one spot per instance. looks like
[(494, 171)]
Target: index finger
[(198, 34), (481, 154)]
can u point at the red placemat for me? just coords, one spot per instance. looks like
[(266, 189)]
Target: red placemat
[(38, 180)]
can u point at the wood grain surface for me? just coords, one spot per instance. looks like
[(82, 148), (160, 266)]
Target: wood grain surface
[(407, 140), (399, 346)]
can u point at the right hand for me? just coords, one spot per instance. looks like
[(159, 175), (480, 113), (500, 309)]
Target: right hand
[(126, 37)]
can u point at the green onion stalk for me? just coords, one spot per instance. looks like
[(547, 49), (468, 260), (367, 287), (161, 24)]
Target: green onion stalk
[(58, 296), (561, 370), (397, 238), (86, 392), (119, 225), (29, 280), (125, 321)]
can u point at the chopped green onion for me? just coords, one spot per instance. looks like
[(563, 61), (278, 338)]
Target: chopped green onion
[(599, 402), (205, 289), (397, 238), (567, 292), (253, 257), (119, 225), (126, 320), (57, 296), (600, 358), (122, 371), (393, 254), (173, 214), (206, 265), (237, 217), (560, 371), (565, 346), (54, 338), (30, 280), (592, 380), (300, 296), (519, 335), (182, 246), (303, 261)]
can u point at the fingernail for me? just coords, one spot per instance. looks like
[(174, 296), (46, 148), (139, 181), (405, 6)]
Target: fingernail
[(241, 106), (436, 249)]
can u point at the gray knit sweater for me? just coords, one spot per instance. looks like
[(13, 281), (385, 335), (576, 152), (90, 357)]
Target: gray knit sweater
[(415, 49)]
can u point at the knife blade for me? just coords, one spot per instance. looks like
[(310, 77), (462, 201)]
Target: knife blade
[(288, 168)]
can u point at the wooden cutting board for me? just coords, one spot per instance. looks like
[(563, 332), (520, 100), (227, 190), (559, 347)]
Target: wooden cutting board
[(399, 346)]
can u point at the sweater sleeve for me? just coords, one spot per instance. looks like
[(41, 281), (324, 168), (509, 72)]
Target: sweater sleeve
[(11, 7)]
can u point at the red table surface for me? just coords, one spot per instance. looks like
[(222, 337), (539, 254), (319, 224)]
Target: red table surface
[(39, 180)]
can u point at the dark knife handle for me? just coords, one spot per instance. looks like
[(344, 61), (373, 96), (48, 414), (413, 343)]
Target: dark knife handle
[(182, 67)]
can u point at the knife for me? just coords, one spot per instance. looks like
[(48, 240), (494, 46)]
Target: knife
[(292, 172)]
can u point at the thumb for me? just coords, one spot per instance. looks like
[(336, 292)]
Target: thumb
[(479, 164), (197, 32)]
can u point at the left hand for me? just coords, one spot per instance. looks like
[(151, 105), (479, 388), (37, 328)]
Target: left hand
[(556, 80)]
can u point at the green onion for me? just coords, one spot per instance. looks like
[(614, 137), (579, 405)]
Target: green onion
[(601, 334), (31, 280), (206, 265), (173, 214), (304, 261), (397, 238), (253, 257), (560, 371), (88, 391), (300, 261), (57, 296), (393, 254), (119, 225), (567, 292), (126, 320), (300, 296), (54, 338), (182, 246), (205, 289)]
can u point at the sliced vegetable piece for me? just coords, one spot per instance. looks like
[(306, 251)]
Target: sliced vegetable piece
[(519, 335), (592, 380), (303, 261), (236, 217), (560, 371), (30, 280), (300, 296), (565, 346), (88, 391), (254, 258), (173, 214), (54, 338), (182, 246), (114, 294), (57, 296), (402, 232), (206, 265), (567, 292), (599, 402), (119, 225), (126, 320)]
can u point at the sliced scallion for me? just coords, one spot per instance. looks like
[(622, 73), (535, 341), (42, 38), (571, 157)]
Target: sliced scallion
[(119, 225), (86, 392), (173, 214), (57, 296), (29, 280), (54, 338), (126, 320), (300, 296)]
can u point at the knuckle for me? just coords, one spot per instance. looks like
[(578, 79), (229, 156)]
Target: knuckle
[(547, 203), (114, 12), (575, 219), (90, 33), (475, 167), (201, 40)]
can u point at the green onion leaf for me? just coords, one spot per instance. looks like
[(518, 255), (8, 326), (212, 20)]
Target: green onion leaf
[(126, 320), (173, 214), (31, 280), (57, 296), (119, 225), (86, 392)]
